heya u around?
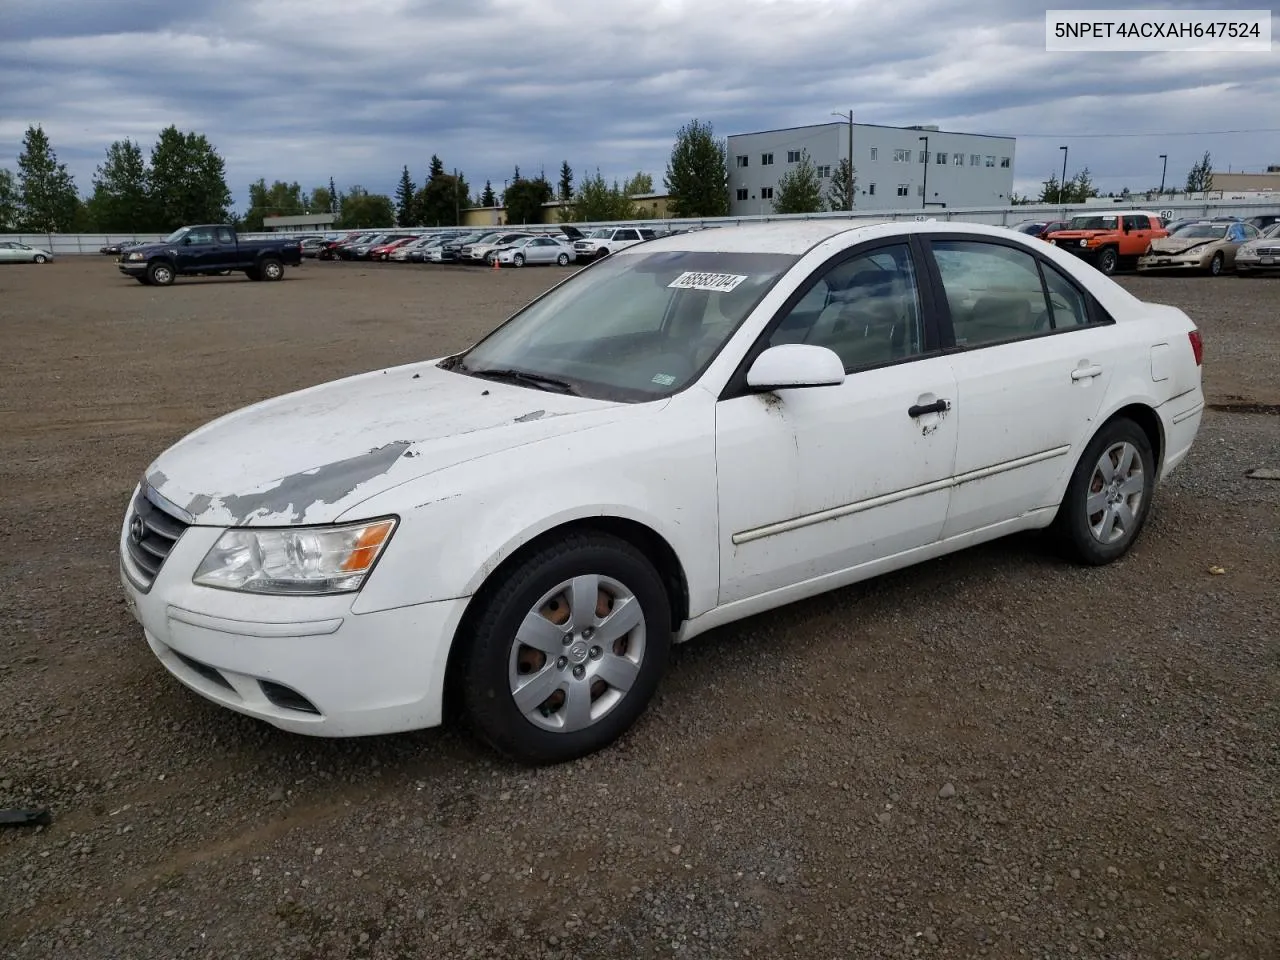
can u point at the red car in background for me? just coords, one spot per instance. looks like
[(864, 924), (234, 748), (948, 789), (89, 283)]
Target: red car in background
[(329, 249), (384, 252)]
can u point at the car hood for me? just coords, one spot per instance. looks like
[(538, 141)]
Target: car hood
[(1078, 234), (1184, 244), (309, 456)]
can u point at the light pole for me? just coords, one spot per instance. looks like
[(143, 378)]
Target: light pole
[(924, 188), (1062, 184), (1164, 167), (849, 181)]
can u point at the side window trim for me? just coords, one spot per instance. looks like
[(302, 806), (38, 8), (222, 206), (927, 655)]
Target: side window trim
[(736, 385), (1097, 314)]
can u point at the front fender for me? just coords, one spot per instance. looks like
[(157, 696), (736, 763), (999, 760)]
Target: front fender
[(457, 525)]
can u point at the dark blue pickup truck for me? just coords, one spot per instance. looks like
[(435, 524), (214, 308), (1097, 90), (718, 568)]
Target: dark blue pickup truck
[(208, 250)]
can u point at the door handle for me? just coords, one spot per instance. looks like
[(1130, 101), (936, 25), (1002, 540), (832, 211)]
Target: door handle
[(1086, 373), (920, 409)]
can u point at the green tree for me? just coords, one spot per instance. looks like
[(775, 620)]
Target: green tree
[(47, 192), (799, 189), (1051, 191), (406, 200), (321, 199), (442, 198), (842, 192), (187, 180), (697, 174), (335, 201), (9, 200), (1200, 176), (278, 200), (488, 198), (121, 202), (637, 185), (1081, 187), (566, 182), (362, 209), (598, 201), (524, 200)]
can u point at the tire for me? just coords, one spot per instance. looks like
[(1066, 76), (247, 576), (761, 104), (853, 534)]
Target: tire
[(39, 258), (518, 260), (160, 274), (271, 269), (1216, 264), (143, 280), (563, 260), (602, 253), (1103, 535), (1108, 260), (538, 591)]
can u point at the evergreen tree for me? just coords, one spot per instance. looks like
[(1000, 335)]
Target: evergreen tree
[(638, 185), (799, 189), (697, 174), (120, 201), (488, 198), (187, 180), (843, 189), (524, 200), (47, 193), (406, 204), (333, 198), (9, 200), (1200, 176), (598, 202), (566, 181)]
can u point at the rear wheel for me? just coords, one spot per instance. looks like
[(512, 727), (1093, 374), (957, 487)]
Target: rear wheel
[(271, 269), (1109, 496), (1216, 264), (567, 649), (1108, 260), (160, 274)]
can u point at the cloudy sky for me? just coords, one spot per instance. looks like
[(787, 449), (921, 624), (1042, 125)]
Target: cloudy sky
[(353, 89)]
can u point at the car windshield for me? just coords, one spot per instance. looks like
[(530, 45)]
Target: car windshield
[(176, 235), (1272, 231), (1202, 231), (1092, 223), (632, 328)]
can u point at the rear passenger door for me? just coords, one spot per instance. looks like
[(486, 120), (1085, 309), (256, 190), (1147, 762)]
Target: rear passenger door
[(222, 253), (1032, 358)]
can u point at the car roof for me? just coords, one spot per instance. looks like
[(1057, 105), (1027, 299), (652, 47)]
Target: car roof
[(788, 236)]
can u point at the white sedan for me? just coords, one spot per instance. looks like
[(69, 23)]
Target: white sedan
[(11, 251), (694, 430), (535, 250)]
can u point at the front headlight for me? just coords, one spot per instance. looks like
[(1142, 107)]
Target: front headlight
[(136, 256), (1248, 249), (303, 560)]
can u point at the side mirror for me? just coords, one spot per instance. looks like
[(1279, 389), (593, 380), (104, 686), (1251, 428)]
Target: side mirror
[(789, 366), (186, 241)]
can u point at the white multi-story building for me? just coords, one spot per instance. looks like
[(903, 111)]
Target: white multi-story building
[(893, 166)]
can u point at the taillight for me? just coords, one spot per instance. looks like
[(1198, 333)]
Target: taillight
[(1197, 346)]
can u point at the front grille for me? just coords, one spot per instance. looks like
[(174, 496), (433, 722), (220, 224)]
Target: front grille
[(160, 531), (1269, 251)]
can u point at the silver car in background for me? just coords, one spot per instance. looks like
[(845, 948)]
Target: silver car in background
[(535, 250), (1261, 255), (11, 251)]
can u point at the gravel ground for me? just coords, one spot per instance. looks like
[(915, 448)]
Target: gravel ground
[(994, 754)]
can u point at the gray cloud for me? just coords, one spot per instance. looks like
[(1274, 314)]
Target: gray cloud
[(356, 88)]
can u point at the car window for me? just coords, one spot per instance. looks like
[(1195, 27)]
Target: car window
[(200, 236), (993, 291), (1138, 222), (1068, 305), (224, 236), (866, 309), (628, 235)]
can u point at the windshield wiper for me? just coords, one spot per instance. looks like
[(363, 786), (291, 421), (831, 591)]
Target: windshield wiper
[(511, 375)]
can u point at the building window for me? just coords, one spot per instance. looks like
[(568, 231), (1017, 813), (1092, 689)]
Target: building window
[(793, 156), (1004, 162), (871, 189), (901, 156), (975, 159), (824, 171), (991, 161), (904, 189), (924, 156), (742, 161), (766, 159), (742, 193), (875, 154), (942, 157), (958, 159), (766, 193)]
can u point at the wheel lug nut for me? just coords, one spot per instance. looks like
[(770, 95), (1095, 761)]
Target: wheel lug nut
[(562, 662), (579, 672), (596, 653), (587, 632), (567, 639)]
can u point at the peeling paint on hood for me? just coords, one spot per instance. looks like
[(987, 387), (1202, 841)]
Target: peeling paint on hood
[(308, 456)]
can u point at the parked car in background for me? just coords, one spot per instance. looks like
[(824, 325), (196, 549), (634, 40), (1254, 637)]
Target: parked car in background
[(11, 251), (402, 252), (452, 248), (606, 240), (208, 249), (533, 251), (1260, 255), (1209, 246), (384, 251), (1262, 221), (361, 248), (1109, 241), (479, 251), (329, 249), (310, 246), (666, 443), (1040, 228), (113, 249)]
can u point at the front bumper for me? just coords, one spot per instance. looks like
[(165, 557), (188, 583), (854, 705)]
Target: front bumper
[(132, 267), (1171, 261), (1257, 262), (310, 665)]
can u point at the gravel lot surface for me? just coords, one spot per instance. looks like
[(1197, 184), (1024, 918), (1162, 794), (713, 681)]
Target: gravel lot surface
[(995, 754)]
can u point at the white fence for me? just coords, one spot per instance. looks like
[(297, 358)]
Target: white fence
[(89, 243)]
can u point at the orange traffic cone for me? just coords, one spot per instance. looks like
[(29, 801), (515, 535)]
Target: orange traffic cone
[(496, 266)]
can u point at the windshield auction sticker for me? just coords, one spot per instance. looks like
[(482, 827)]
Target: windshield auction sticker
[(692, 280)]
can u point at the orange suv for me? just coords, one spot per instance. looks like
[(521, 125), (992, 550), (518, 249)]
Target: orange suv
[(1110, 240)]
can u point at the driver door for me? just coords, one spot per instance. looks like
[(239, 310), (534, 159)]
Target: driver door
[(818, 481), (194, 250)]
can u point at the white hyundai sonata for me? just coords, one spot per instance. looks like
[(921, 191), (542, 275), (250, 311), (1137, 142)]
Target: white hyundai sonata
[(690, 431)]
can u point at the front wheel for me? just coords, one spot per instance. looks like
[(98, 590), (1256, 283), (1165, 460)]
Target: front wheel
[(1108, 261), (160, 274), (567, 649), (518, 259), (40, 258), (1109, 495), (602, 252), (1216, 264), (563, 260)]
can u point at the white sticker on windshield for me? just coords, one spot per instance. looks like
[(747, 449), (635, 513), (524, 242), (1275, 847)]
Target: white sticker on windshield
[(664, 379), (693, 280)]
